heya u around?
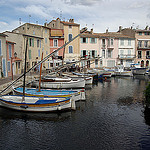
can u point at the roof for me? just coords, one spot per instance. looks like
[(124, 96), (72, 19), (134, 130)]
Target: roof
[(17, 59), (56, 32), (105, 35), (1, 34), (70, 23)]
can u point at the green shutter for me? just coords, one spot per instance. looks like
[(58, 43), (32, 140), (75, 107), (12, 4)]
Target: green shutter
[(90, 53), (81, 40), (32, 42), (95, 40), (86, 40), (29, 54), (87, 54), (90, 40), (95, 53)]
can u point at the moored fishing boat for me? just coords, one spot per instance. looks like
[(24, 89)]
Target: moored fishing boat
[(77, 94), (36, 104), (137, 69), (88, 79), (58, 84)]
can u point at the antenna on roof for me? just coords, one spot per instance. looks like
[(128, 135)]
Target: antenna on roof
[(20, 21), (29, 18), (60, 14)]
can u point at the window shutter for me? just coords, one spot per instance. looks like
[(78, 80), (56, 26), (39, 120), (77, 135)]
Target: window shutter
[(0, 48), (95, 53), (86, 40), (81, 53), (95, 40), (29, 54), (32, 42), (81, 40), (90, 53)]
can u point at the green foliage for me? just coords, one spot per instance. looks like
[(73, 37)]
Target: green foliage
[(147, 93)]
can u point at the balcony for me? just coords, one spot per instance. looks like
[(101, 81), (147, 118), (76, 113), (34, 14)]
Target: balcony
[(143, 47), (147, 57), (103, 46), (126, 56)]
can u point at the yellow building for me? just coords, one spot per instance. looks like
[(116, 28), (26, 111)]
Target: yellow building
[(71, 29), (38, 41)]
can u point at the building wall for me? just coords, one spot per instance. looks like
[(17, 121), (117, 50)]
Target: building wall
[(75, 43), (3, 57)]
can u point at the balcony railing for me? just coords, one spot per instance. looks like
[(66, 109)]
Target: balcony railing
[(143, 47), (126, 56)]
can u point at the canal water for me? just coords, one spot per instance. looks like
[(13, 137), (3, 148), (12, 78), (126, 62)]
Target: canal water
[(113, 117)]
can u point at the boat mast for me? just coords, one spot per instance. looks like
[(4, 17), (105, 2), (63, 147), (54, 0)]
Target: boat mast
[(25, 70), (40, 72)]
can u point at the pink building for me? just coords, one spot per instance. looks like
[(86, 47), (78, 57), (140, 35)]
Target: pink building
[(56, 41)]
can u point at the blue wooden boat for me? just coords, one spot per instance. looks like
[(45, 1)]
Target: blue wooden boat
[(77, 94), (36, 104)]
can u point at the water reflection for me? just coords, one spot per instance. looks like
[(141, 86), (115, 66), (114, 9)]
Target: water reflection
[(6, 114)]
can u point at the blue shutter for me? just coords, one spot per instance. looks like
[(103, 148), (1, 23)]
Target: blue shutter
[(0, 48), (4, 68), (70, 37), (87, 54), (90, 40), (81, 40)]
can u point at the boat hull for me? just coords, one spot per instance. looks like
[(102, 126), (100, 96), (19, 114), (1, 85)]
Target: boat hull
[(139, 71), (36, 104), (78, 94), (61, 85)]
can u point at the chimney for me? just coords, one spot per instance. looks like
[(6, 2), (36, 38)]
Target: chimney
[(45, 24), (71, 20), (106, 30), (92, 31), (120, 28)]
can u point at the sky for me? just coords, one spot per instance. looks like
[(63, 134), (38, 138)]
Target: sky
[(97, 14)]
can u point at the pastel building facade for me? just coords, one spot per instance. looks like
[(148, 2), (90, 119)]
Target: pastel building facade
[(3, 55), (71, 29)]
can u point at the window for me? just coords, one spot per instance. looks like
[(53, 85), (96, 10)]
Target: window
[(29, 54), (18, 65), (33, 32), (70, 37), (83, 53), (45, 40), (147, 54), (112, 42), (140, 33), (122, 42), (70, 26), (10, 50), (0, 48), (70, 49), (92, 40), (45, 30), (139, 54), (121, 53), (139, 43), (55, 43), (38, 43), (84, 40), (129, 42), (93, 53), (8, 63), (31, 42), (39, 53), (145, 43), (109, 53), (103, 53)]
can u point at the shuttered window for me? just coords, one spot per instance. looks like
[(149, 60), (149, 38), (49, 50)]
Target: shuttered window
[(29, 54), (0, 48)]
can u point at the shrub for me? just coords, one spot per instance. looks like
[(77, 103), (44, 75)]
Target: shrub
[(147, 94)]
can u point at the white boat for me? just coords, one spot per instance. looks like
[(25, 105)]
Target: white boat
[(121, 72), (88, 79), (36, 104), (137, 69), (59, 83), (76, 94)]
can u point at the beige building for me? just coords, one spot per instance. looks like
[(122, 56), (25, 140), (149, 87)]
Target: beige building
[(3, 63), (142, 44), (71, 29), (38, 41)]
